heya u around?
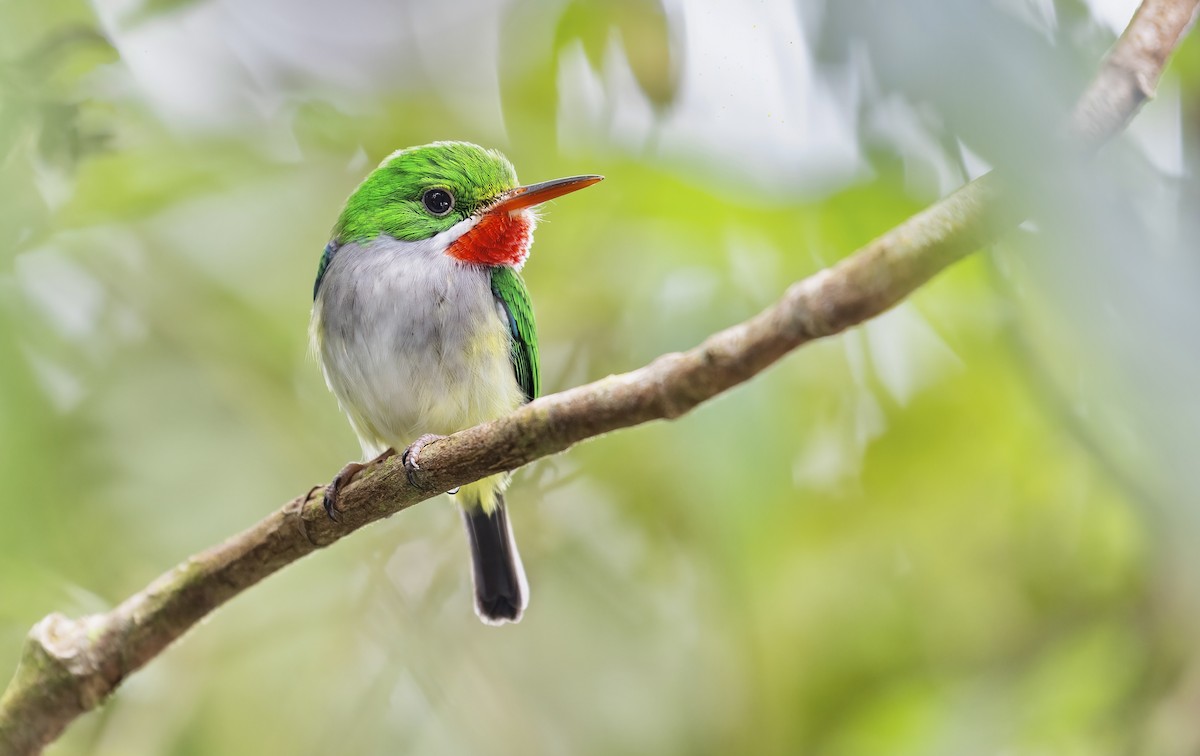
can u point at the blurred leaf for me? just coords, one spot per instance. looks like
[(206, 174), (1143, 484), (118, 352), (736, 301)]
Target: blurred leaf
[(644, 33), (38, 96), (1186, 64), (133, 184), (150, 10)]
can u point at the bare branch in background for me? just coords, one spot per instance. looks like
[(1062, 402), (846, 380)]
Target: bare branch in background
[(70, 666)]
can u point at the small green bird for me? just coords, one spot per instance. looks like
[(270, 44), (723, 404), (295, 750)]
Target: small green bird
[(423, 325)]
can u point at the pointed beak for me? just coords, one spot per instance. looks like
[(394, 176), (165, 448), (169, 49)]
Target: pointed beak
[(536, 194)]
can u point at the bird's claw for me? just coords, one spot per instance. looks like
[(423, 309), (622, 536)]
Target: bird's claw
[(411, 458), (333, 491)]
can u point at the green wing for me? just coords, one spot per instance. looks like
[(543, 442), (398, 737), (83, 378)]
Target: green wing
[(513, 297)]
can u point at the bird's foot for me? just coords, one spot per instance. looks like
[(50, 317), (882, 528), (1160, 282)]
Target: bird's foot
[(333, 491), (411, 458)]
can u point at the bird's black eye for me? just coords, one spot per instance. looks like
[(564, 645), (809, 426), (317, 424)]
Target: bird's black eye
[(438, 201)]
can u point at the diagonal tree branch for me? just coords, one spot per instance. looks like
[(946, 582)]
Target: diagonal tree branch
[(70, 666)]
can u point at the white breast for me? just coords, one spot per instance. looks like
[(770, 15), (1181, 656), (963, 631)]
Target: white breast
[(412, 341)]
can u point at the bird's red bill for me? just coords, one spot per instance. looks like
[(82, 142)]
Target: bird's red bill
[(536, 194)]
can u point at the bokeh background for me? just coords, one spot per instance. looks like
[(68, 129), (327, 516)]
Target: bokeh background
[(965, 527)]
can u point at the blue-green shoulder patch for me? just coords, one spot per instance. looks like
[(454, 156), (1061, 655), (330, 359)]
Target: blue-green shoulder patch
[(330, 250)]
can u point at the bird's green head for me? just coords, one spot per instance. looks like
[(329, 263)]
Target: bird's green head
[(420, 192), (463, 197)]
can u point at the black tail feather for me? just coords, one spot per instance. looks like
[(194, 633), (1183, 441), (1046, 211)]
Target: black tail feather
[(501, 592)]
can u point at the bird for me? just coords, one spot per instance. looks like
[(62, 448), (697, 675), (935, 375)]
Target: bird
[(423, 326)]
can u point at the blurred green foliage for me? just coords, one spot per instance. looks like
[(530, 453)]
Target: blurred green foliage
[(905, 540)]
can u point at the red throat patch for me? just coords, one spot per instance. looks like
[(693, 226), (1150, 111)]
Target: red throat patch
[(497, 239)]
